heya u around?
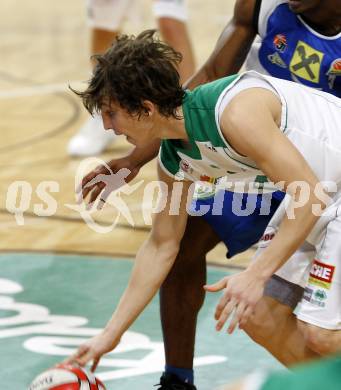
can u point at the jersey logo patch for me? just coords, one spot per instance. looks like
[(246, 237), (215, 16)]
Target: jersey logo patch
[(276, 59), (280, 42), (321, 274), (333, 72), (306, 62), (185, 166)]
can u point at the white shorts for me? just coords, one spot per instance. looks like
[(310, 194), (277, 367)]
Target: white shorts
[(316, 266), (110, 14), (174, 9)]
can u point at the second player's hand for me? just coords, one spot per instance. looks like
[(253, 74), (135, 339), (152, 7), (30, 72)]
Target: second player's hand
[(86, 188), (93, 349), (241, 293)]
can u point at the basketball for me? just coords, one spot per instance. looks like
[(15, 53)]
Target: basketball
[(66, 377)]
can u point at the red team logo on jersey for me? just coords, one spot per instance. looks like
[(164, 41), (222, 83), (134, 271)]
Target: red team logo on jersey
[(333, 72), (321, 274), (280, 42)]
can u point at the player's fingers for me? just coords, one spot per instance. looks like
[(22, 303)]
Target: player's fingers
[(87, 190), (95, 364), (238, 314), (94, 194), (83, 349), (216, 286), (85, 358), (86, 180), (223, 301), (246, 316), (225, 314)]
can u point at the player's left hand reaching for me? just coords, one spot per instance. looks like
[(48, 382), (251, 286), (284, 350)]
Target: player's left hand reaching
[(241, 294), (93, 350)]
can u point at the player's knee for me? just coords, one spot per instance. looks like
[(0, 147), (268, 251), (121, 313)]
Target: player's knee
[(319, 340), (259, 327)]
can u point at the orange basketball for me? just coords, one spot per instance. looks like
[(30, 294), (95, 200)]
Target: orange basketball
[(66, 377)]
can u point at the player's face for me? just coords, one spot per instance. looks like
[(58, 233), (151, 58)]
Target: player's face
[(301, 6), (136, 129)]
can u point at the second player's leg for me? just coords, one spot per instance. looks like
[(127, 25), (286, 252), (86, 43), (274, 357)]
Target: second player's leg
[(274, 327), (182, 294)]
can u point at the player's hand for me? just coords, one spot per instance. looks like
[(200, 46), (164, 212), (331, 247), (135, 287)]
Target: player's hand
[(241, 293), (92, 350), (99, 179)]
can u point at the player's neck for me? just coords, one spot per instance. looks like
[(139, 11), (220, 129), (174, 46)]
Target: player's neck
[(325, 21), (173, 128)]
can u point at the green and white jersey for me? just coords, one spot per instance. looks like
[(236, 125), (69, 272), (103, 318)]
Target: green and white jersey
[(208, 157), (310, 119)]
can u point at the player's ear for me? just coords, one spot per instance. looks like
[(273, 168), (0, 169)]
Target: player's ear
[(150, 107)]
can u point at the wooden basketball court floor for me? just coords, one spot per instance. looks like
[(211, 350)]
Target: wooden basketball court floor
[(44, 47)]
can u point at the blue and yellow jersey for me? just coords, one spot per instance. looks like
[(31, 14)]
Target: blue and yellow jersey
[(290, 49)]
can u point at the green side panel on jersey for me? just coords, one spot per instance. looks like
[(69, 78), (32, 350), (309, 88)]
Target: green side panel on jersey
[(200, 111), (200, 122)]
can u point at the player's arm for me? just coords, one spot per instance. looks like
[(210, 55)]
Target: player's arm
[(152, 264), (250, 123), (232, 46)]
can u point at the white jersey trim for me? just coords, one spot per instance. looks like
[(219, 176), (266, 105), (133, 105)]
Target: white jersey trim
[(326, 37), (266, 9)]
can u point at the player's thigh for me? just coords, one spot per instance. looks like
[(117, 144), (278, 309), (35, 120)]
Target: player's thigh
[(198, 239), (267, 320)]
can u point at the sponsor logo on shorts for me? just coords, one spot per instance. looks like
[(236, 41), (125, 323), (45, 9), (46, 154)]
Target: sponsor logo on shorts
[(321, 295), (321, 274), (267, 237), (308, 293), (315, 297), (280, 42)]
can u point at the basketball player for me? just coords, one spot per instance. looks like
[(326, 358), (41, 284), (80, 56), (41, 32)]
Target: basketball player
[(243, 126), (315, 24), (105, 18)]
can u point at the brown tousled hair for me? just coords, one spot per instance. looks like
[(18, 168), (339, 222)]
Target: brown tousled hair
[(135, 69)]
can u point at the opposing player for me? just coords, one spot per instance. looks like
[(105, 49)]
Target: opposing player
[(290, 34), (105, 18), (244, 126)]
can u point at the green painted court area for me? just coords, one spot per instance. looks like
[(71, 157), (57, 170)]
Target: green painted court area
[(49, 304)]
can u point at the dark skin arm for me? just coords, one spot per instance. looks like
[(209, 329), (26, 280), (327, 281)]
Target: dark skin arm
[(231, 48)]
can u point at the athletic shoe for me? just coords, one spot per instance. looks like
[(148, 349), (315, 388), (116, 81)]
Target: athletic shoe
[(91, 139), (172, 382)]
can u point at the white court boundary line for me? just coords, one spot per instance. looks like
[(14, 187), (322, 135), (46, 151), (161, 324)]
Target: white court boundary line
[(37, 90)]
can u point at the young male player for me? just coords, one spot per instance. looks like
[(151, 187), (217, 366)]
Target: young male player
[(305, 34), (105, 18), (241, 127)]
